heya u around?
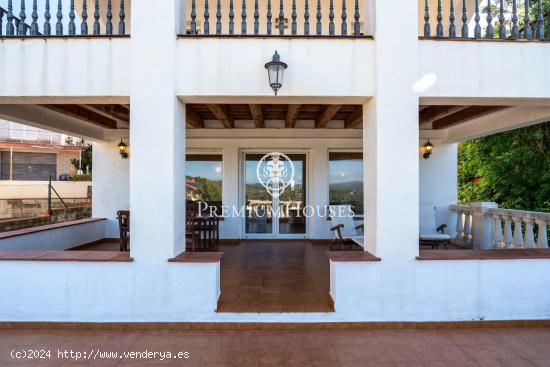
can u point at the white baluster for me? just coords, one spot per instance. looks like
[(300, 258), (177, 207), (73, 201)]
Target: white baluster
[(518, 233), (508, 232), (459, 226), (497, 231), (468, 227), (542, 240), (529, 239)]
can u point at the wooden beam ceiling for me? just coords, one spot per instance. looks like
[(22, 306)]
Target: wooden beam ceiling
[(292, 113), (355, 119), (325, 115), (433, 113), (257, 115), (120, 115), (83, 114), (464, 115), (193, 118), (222, 113)]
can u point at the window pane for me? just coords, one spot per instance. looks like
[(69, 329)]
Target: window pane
[(203, 178), (346, 180)]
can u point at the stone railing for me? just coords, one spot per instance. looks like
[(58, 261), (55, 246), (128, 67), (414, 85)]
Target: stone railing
[(485, 226), (522, 233), (463, 224)]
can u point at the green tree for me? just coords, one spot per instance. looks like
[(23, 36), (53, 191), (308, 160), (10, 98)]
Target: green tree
[(86, 159), (511, 168)]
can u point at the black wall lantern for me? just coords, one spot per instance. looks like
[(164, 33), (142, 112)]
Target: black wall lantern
[(428, 148), (275, 72), (123, 149)]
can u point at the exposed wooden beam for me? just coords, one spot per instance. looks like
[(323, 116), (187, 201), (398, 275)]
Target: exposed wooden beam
[(355, 119), (292, 113), (431, 114), (257, 115), (193, 118), (222, 113), (325, 115), (464, 115), (109, 112), (83, 114)]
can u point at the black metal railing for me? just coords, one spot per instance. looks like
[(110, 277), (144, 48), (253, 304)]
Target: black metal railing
[(274, 18), (511, 20), (39, 22)]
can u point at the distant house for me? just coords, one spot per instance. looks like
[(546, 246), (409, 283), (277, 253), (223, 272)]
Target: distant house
[(31, 154)]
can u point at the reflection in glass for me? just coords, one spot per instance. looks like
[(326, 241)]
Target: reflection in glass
[(292, 200), (346, 180), (259, 213)]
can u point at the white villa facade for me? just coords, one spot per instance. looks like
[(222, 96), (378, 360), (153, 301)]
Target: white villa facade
[(398, 88)]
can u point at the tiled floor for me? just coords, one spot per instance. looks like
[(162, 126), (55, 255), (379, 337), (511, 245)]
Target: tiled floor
[(512, 347), (275, 276)]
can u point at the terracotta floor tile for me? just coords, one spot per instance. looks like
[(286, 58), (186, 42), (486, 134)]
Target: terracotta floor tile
[(264, 276)]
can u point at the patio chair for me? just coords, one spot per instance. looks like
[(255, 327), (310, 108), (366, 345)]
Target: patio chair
[(430, 233), (346, 235), (124, 229)]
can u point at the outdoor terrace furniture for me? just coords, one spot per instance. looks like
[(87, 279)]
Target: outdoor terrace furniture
[(202, 232), (124, 229), (430, 233), (346, 234)]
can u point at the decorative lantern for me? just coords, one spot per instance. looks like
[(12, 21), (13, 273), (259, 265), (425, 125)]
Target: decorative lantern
[(428, 148), (123, 149), (275, 72)]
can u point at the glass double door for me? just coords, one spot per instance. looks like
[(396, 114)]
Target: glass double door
[(274, 195)]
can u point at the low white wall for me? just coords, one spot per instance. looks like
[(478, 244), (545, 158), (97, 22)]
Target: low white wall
[(439, 181), (56, 239), (442, 290), (111, 184), (104, 291), (39, 189)]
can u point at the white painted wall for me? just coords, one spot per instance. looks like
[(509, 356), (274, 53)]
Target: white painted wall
[(486, 69), (64, 67), (56, 239), (442, 290), (439, 181), (111, 185), (104, 291), (235, 67)]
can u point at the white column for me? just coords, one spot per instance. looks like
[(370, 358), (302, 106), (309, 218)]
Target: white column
[(390, 136), (157, 132), (110, 184), (439, 181), (231, 225)]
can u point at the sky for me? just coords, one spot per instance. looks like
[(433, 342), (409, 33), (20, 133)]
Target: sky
[(209, 170)]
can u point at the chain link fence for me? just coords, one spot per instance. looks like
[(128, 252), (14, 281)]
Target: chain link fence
[(28, 200)]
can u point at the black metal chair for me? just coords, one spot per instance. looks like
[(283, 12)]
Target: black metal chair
[(124, 229)]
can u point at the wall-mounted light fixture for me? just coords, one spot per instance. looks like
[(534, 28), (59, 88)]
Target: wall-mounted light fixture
[(428, 148), (123, 149), (275, 72)]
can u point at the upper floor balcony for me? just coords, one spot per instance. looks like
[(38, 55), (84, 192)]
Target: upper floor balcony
[(449, 19)]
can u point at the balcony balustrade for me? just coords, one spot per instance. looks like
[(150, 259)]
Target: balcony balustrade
[(274, 18), (493, 227), (85, 18), (497, 19)]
